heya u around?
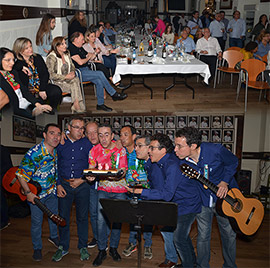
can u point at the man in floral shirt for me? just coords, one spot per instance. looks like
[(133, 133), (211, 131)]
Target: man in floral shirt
[(106, 155)]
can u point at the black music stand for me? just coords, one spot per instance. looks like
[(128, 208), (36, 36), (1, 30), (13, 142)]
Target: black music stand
[(140, 212)]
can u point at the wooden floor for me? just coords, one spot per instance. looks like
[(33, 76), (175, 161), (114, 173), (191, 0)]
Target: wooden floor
[(16, 248), (179, 99)]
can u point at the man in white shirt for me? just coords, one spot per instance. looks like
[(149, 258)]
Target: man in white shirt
[(137, 124), (195, 23), (228, 122), (209, 49), (217, 29), (170, 123), (158, 123), (237, 30), (204, 123)]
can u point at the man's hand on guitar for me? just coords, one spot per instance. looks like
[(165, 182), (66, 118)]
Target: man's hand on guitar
[(31, 197), (222, 189)]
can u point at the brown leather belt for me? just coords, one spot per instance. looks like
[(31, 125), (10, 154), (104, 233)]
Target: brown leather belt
[(68, 180)]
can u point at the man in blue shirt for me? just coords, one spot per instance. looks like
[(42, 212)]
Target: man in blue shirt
[(188, 43), (136, 174), (176, 188), (218, 165), (195, 23), (237, 30), (73, 159), (40, 165), (217, 29)]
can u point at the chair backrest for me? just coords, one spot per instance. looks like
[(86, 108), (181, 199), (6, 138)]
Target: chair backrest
[(234, 48), (264, 58), (254, 67), (232, 57)]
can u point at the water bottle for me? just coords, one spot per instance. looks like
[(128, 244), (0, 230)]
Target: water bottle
[(134, 54), (155, 52)]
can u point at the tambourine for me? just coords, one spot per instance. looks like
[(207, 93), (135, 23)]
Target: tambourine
[(115, 173)]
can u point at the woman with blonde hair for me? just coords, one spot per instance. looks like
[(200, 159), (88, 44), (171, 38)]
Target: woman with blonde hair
[(62, 72), (34, 74), (77, 24), (44, 35)]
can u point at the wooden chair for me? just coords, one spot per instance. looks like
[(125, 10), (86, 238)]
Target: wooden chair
[(264, 58), (264, 197), (252, 68), (234, 48), (227, 65)]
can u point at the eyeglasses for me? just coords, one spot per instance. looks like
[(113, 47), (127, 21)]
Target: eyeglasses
[(153, 147), (78, 128), (140, 145)]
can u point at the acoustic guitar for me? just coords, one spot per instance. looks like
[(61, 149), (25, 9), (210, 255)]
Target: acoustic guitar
[(245, 214), (11, 184)]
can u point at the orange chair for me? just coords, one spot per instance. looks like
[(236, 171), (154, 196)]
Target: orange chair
[(227, 65), (252, 68), (234, 48), (264, 58)]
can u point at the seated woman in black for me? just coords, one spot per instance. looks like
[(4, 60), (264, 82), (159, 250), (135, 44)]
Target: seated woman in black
[(34, 74), (20, 99)]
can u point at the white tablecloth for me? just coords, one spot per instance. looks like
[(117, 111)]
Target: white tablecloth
[(195, 66)]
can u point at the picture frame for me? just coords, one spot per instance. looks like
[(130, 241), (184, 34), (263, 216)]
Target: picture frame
[(148, 121), (216, 121), (39, 131), (205, 121), (127, 121), (107, 121), (229, 146), (193, 121), (116, 122), (159, 131), (170, 121), (226, 4), (137, 121), (148, 132), (216, 135), (170, 133), (228, 135), (159, 122), (205, 135), (181, 121), (228, 121), (24, 129)]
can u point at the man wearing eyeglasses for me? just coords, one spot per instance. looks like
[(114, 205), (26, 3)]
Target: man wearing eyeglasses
[(73, 159), (176, 188), (136, 175)]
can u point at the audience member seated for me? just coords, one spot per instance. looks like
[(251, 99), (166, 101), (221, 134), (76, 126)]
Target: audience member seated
[(103, 38), (148, 26), (264, 46), (110, 32), (34, 74), (261, 25), (62, 73), (159, 30), (81, 60), (44, 35), (198, 35), (17, 95), (208, 48), (168, 35), (186, 28), (77, 24), (249, 50), (195, 23), (94, 46), (187, 42)]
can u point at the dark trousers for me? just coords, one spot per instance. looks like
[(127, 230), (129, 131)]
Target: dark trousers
[(101, 67), (54, 95), (110, 62), (211, 61), (221, 42)]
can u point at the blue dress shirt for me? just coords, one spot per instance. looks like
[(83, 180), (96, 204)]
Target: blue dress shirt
[(73, 158), (216, 28), (188, 43), (239, 28), (222, 165), (176, 187), (262, 49)]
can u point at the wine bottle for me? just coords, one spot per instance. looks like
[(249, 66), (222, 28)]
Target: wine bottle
[(150, 49), (164, 52)]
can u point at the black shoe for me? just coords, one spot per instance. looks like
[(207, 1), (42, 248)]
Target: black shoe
[(103, 107), (100, 258), (37, 256), (121, 86), (92, 243), (119, 96), (114, 254)]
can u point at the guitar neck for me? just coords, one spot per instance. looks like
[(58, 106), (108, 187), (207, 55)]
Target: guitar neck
[(43, 207), (214, 188)]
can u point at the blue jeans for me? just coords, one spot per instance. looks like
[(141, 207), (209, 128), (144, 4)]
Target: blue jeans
[(147, 235), (110, 62), (104, 224), (228, 238), (93, 210), (169, 247), (236, 42), (51, 203), (101, 82), (79, 195), (182, 240)]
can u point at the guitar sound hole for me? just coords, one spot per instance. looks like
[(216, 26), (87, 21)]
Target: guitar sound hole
[(237, 205)]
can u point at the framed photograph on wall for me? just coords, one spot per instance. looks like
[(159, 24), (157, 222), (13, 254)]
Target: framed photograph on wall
[(39, 131), (159, 121), (24, 129), (137, 121), (181, 121), (116, 122), (226, 4)]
